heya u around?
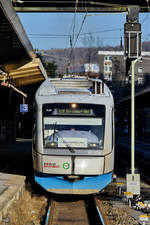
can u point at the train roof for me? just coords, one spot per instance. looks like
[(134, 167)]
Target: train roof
[(73, 86), (83, 90)]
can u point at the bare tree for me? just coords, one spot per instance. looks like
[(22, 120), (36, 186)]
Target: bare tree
[(89, 42)]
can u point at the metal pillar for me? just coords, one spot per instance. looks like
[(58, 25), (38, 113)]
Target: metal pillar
[(133, 180), (133, 117)]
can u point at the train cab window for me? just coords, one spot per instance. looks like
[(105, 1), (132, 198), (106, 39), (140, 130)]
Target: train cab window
[(79, 127)]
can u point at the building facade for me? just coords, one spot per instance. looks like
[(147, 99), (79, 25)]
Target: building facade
[(113, 68), (87, 69)]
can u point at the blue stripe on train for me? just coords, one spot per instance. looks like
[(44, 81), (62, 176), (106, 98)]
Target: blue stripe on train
[(58, 182)]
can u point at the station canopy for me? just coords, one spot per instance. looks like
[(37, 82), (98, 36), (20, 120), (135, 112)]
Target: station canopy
[(79, 5), (27, 73), (19, 64)]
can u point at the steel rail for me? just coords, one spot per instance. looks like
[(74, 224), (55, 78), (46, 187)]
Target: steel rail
[(100, 216), (93, 211), (48, 213), (99, 209)]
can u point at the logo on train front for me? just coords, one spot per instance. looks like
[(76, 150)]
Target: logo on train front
[(66, 165)]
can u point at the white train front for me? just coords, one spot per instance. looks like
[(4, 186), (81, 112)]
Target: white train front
[(73, 138)]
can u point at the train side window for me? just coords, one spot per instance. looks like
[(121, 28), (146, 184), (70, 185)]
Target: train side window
[(112, 128), (34, 125)]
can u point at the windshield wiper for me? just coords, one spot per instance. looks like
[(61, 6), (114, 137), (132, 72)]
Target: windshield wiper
[(58, 135), (66, 143), (54, 128)]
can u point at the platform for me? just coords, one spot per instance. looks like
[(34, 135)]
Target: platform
[(13, 160), (11, 187)]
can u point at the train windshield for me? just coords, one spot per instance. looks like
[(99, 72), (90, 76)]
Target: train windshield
[(73, 126)]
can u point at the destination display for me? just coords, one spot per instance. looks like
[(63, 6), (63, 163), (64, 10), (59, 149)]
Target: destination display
[(74, 111)]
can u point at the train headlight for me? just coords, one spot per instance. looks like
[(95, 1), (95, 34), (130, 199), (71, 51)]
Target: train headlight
[(93, 145), (74, 105), (52, 144)]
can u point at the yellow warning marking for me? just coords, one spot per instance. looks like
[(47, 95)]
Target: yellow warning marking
[(120, 183), (143, 217), (128, 193), (142, 204)]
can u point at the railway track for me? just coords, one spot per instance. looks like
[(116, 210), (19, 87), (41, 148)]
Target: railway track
[(75, 211)]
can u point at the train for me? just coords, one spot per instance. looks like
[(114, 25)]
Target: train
[(73, 136)]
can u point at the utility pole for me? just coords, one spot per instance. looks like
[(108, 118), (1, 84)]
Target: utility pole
[(132, 53)]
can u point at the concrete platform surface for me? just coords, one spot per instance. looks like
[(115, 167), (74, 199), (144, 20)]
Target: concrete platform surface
[(11, 186)]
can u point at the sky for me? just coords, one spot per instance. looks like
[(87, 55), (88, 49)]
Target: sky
[(65, 30)]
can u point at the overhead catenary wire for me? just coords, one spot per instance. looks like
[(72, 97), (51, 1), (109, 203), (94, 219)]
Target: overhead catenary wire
[(71, 39), (78, 34), (75, 36), (72, 36), (74, 24), (84, 4), (105, 37)]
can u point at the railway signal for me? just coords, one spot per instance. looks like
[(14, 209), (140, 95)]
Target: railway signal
[(132, 52)]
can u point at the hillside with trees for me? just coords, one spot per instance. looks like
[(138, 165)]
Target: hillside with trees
[(64, 57)]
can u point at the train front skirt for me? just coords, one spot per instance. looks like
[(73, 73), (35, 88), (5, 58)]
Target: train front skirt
[(88, 185)]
